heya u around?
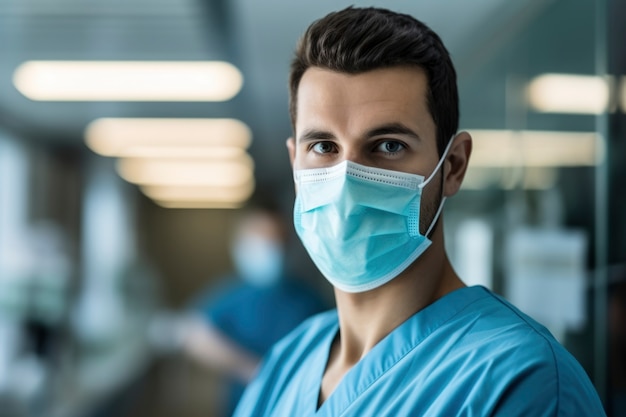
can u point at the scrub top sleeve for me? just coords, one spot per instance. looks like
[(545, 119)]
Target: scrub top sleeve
[(531, 394), (577, 395), (553, 389)]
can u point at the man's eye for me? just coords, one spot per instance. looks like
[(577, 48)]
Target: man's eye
[(390, 146), (323, 147)]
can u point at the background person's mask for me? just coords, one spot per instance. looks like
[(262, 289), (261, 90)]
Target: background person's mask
[(258, 260)]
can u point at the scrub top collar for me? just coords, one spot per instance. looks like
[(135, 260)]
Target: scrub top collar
[(386, 353)]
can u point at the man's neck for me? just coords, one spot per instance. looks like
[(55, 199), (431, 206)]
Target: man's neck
[(366, 318)]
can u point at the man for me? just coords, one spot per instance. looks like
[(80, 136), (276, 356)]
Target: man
[(375, 153)]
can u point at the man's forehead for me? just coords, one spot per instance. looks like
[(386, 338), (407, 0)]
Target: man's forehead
[(384, 75), (395, 95), (395, 86)]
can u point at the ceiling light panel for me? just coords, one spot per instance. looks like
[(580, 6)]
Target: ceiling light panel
[(622, 94), (198, 204), (199, 194), (153, 137), (128, 80), (567, 93), (187, 172), (528, 148)]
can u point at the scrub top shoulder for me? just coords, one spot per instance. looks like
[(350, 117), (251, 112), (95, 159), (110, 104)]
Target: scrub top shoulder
[(470, 353)]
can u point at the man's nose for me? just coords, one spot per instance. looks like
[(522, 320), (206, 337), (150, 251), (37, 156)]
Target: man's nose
[(354, 155)]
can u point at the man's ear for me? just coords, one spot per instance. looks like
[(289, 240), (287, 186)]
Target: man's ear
[(456, 163), (291, 147)]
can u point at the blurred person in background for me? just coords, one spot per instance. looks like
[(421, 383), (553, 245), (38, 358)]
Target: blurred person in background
[(232, 324)]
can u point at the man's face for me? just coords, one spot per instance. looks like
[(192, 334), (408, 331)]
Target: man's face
[(378, 118)]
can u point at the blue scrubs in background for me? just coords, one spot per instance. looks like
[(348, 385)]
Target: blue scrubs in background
[(470, 353), (256, 317)]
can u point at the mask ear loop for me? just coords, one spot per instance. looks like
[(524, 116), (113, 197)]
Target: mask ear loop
[(434, 222), (443, 198), (440, 163)]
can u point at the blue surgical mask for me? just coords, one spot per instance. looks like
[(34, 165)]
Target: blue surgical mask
[(360, 224)]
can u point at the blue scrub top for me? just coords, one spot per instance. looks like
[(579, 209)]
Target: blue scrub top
[(470, 353)]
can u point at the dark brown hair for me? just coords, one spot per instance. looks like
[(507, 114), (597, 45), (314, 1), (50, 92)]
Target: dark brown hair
[(356, 40)]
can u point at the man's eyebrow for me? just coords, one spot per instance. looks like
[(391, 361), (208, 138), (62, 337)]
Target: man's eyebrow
[(392, 129), (386, 129), (314, 134)]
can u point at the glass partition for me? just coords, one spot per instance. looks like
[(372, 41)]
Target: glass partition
[(540, 219)]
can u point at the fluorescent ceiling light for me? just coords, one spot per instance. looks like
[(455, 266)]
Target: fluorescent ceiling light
[(187, 172), (154, 137), (128, 80), (526, 159), (199, 194), (534, 178), (528, 148), (565, 93), (197, 204), (623, 93)]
